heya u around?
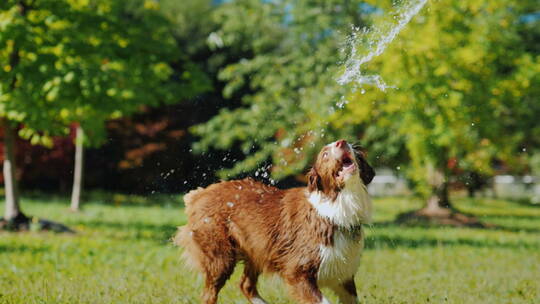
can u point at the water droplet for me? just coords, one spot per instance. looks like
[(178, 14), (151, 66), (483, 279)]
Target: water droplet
[(207, 220), (230, 204)]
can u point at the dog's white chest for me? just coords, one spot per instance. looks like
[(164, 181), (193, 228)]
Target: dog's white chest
[(352, 206), (341, 260)]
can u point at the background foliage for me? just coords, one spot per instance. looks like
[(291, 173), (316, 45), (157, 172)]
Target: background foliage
[(251, 88), (465, 78)]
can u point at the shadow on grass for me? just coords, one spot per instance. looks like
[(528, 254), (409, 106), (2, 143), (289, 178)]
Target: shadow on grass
[(384, 242), (493, 227), (162, 234), (377, 241), (22, 249), (515, 229), (518, 216), (135, 230), (525, 202), (111, 199)]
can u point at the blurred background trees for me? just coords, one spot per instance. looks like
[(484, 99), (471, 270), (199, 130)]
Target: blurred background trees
[(83, 62), (464, 82), (176, 94), (466, 90), (285, 82)]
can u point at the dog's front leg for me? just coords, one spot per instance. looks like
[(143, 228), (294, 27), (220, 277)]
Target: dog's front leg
[(304, 289)]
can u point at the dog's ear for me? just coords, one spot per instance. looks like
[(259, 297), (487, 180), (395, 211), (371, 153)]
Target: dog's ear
[(366, 171), (314, 180)]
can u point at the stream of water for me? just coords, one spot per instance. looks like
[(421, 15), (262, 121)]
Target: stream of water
[(379, 39)]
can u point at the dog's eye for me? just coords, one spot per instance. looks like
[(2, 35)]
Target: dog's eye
[(325, 154)]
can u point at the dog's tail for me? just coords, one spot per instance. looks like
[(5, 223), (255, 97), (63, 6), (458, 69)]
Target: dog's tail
[(191, 251), (184, 235)]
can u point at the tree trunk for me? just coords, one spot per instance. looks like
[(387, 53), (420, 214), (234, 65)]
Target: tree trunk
[(12, 208), (13, 217), (438, 180), (470, 192), (438, 209), (79, 170), (439, 197)]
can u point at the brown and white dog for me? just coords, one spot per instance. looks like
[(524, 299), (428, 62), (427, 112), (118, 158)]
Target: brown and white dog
[(311, 237)]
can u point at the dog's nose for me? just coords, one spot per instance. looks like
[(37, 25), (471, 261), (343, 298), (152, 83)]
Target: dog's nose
[(341, 143)]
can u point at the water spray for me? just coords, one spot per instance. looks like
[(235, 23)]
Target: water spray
[(353, 64)]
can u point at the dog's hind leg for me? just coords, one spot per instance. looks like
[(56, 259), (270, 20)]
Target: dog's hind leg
[(216, 272), (248, 284), (217, 259)]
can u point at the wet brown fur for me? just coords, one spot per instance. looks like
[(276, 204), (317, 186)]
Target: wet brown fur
[(269, 229)]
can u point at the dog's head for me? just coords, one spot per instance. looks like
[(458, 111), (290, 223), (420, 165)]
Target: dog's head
[(336, 164)]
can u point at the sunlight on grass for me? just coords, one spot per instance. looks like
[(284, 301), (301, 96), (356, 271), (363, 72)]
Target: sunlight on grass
[(121, 254)]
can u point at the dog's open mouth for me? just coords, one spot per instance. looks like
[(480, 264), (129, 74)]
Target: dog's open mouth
[(347, 165), (347, 161)]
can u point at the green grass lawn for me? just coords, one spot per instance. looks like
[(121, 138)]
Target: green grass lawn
[(121, 254)]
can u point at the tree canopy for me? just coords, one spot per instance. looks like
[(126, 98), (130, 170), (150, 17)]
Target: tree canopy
[(464, 76), (87, 61), (464, 73), (286, 79)]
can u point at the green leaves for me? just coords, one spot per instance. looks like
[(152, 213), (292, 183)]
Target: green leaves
[(458, 69), (466, 76), (81, 61), (285, 81)]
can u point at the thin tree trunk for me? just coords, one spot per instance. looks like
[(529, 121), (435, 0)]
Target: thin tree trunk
[(12, 208), (79, 170), (439, 197), (12, 215)]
